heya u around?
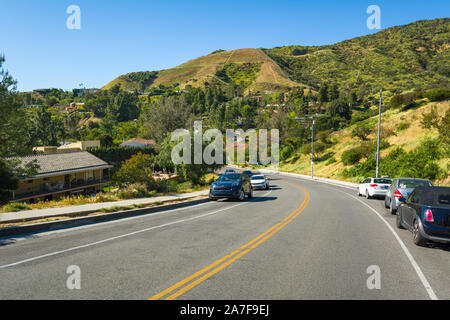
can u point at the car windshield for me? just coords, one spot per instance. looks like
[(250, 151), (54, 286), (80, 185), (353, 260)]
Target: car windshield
[(258, 178), (386, 181), (229, 177), (409, 184)]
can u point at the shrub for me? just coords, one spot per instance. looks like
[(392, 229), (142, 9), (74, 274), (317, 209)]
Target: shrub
[(15, 207), (361, 132), (352, 156), (437, 94), (403, 126), (133, 191)]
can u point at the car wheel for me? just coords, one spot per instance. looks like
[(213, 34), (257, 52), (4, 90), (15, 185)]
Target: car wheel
[(359, 193), (367, 195), (267, 187), (241, 195), (417, 236), (398, 220), (385, 202), (391, 208), (250, 194)]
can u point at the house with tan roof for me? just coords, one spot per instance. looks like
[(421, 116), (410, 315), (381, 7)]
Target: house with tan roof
[(138, 143)]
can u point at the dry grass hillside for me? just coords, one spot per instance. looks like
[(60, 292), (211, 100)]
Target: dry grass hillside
[(408, 139), (198, 71)]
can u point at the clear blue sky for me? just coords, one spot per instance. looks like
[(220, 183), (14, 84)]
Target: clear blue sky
[(119, 36)]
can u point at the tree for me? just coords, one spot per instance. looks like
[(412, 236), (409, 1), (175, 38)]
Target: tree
[(164, 116), (323, 93), (190, 172), (16, 138), (46, 128), (8, 181), (137, 169), (362, 132)]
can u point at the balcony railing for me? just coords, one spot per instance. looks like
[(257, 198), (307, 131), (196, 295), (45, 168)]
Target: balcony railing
[(46, 189)]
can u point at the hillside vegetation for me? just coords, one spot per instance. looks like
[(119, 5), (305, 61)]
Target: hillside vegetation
[(257, 70), (403, 57), (400, 129)]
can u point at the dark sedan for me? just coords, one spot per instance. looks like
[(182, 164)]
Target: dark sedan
[(232, 186), (426, 213)]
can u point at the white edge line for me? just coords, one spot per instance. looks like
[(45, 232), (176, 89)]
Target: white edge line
[(121, 236), (413, 262)]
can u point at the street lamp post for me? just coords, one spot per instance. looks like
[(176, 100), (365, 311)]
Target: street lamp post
[(379, 132), (311, 117)]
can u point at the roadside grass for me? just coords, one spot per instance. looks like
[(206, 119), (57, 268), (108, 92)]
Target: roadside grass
[(131, 192), (100, 212)]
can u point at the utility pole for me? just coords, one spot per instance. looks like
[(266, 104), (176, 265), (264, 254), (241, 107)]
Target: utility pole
[(311, 117), (379, 131)]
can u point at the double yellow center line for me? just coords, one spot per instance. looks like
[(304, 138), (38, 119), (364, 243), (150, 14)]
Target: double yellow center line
[(174, 291)]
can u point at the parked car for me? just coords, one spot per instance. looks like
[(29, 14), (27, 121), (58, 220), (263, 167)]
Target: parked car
[(248, 173), (232, 186), (259, 182), (426, 213), (400, 190), (229, 171), (374, 187)]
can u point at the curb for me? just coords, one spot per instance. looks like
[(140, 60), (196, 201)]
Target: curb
[(70, 223), (305, 177)]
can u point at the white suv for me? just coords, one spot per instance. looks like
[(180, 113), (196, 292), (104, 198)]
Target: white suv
[(374, 187)]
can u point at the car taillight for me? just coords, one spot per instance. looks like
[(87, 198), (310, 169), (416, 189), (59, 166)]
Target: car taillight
[(374, 185), (429, 216), (398, 194)]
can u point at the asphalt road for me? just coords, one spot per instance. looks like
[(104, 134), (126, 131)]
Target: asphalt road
[(300, 240)]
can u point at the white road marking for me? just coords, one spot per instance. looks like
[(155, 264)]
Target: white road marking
[(122, 236)]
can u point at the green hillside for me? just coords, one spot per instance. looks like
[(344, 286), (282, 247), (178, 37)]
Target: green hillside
[(251, 68), (404, 57)]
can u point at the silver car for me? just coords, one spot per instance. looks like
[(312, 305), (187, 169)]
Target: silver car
[(259, 181), (400, 190)]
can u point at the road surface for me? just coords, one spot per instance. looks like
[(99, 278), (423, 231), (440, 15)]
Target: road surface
[(300, 240)]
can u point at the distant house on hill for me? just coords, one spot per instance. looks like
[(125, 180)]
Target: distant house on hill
[(71, 146), (138, 143), (61, 174), (79, 146)]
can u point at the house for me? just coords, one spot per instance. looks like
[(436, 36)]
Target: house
[(79, 146), (61, 174), (138, 143), (45, 149)]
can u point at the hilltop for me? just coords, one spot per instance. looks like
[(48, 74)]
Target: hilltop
[(403, 57), (251, 67)]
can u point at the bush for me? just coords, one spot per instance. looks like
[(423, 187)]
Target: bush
[(361, 132), (437, 94), (352, 156), (15, 207), (133, 191), (419, 163), (403, 126)]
